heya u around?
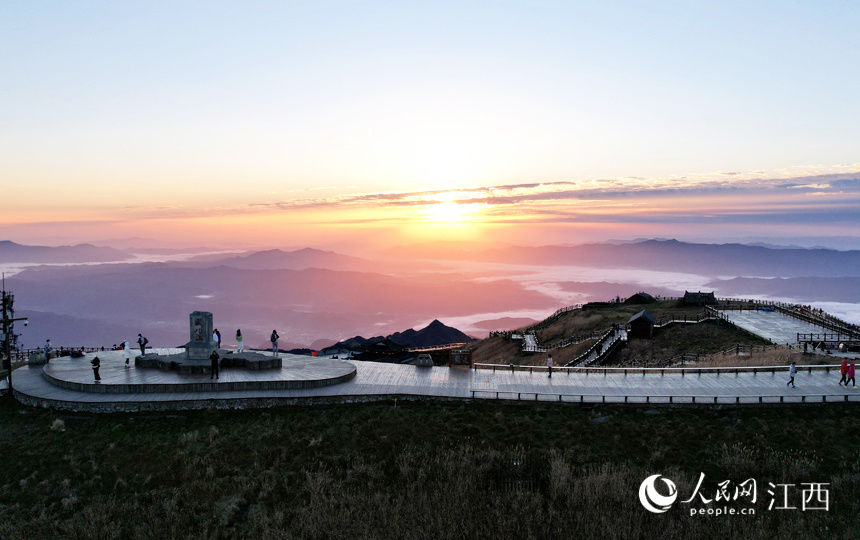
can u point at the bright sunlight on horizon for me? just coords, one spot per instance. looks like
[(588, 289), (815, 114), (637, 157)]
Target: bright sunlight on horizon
[(331, 123)]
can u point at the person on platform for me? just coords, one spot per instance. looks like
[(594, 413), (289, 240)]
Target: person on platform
[(851, 376), (792, 373), (549, 365), (216, 338), (142, 341), (48, 349), (274, 339), (213, 364), (126, 351), (240, 341), (843, 370), (96, 364)]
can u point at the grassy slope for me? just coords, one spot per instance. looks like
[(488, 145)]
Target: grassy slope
[(667, 343), (497, 350), (585, 321), (703, 338), (416, 470)]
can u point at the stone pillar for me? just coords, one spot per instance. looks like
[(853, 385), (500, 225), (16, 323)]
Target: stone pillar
[(199, 346)]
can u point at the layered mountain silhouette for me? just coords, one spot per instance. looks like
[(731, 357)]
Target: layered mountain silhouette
[(435, 333), (274, 259), (665, 255), (11, 252)]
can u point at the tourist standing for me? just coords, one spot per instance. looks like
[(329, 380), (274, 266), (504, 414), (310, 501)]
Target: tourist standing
[(274, 339), (549, 365), (216, 337), (142, 341), (96, 364), (213, 365), (851, 376), (48, 350), (792, 372), (843, 370), (240, 342), (126, 351)]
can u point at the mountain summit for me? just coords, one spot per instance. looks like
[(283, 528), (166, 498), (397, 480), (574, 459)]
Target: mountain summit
[(434, 334)]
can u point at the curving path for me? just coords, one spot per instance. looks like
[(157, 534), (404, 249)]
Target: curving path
[(377, 381)]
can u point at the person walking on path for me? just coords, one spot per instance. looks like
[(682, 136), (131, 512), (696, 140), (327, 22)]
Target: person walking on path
[(792, 372), (213, 365), (96, 364), (549, 365), (240, 343), (844, 371), (126, 351), (274, 339), (851, 376), (142, 341)]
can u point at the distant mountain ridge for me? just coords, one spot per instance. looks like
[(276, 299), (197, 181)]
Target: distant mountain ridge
[(665, 255), (274, 259), (434, 334), (12, 252)]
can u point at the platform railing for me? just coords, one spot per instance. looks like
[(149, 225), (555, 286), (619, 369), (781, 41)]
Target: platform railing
[(809, 368), (695, 399)]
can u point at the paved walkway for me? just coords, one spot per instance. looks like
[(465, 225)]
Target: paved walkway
[(384, 381), (772, 325)]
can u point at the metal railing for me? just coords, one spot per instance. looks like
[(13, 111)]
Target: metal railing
[(694, 399), (809, 368)]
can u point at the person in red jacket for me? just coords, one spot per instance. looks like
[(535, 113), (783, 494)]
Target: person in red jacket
[(844, 371)]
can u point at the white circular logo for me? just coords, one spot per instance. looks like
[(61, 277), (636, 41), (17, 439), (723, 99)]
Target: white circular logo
[(651, 499)]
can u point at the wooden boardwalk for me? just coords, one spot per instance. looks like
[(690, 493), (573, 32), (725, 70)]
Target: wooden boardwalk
[(375, 381)]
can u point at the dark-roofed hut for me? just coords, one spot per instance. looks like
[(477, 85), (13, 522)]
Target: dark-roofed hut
[(699, 298), (640, 298), (641, 325)]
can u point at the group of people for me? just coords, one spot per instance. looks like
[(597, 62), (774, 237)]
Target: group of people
[(846, 370), (214, 358), (143, 341), (240, 340)]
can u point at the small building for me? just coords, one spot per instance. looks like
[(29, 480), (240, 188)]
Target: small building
[(699, 298), (640, 298), (641, 325)]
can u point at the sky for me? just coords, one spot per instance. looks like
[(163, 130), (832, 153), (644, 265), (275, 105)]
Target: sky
[(294, 123)]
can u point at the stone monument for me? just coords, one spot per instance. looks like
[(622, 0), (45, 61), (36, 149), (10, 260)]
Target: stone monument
[(200, 345)]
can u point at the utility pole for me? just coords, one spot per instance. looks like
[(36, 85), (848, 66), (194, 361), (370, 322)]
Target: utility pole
[(8, 300)]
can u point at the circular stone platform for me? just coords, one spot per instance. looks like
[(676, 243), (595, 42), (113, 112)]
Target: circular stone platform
[(296, 372)]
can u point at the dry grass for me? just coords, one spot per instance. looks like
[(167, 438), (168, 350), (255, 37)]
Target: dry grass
[(585, 321), (422, 470), (498, 350)]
